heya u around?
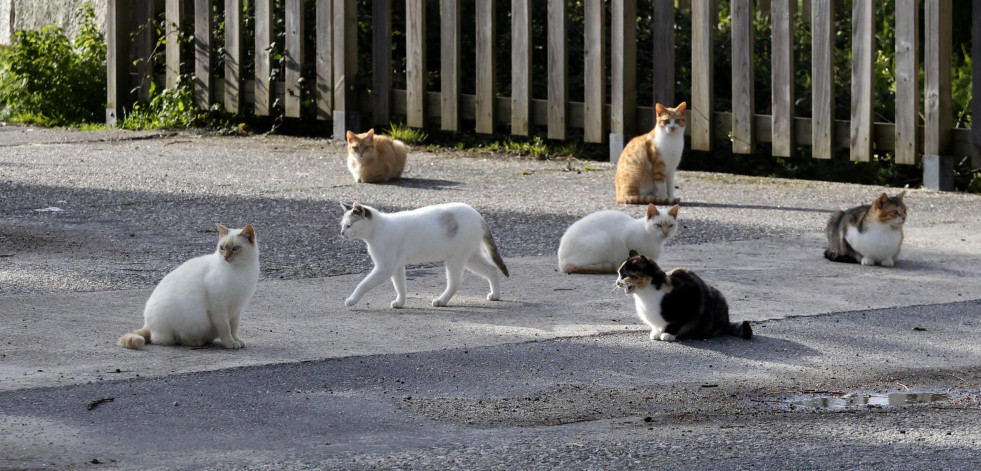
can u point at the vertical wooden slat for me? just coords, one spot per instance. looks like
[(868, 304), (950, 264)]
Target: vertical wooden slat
[(203, 89), (863, 45), (822, 85), (294, 58), (781, 12), (623, 74), (520, 66), (664, 53), (486, 84), (263, 58), (174, 13), (558, 63), (117, 60), (742, 76), (325, 58), (595, 80), (937, 54), (381, 67), (449, 92), (143, 17), (703, 22), (415, 62), (233, 55), (907, 71), (976, 84), (345, 68)]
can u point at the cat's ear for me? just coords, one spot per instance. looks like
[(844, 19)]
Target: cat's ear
[(633, 253), (658, 109), (362, 211), (652, 211), (248, 233), (881, 200), (222, 230), (347, 207), (673, 212), (682, 107), (901, 196), (350, 137), (371, 135)]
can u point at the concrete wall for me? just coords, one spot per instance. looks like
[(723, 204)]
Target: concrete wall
[(36, 14)]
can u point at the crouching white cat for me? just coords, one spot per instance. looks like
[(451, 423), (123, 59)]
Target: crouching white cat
[(599, 242), (454, 233), (202, 298)]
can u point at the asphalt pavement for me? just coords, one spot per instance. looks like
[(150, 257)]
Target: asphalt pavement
[(851, 366)]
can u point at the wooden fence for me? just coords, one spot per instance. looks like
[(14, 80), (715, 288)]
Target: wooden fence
[(609, 110)]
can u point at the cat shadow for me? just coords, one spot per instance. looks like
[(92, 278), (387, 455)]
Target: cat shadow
[(755, 206), (760, 347), (424, 183)]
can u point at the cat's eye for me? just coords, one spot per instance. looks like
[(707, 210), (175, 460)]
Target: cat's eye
[(236, 248), (221, 249)]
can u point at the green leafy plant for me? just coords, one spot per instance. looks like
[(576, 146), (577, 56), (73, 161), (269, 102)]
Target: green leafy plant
[(406, 134), (49, 79)]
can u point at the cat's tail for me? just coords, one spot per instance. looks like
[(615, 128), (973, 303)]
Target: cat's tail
[(740, 329), (491, 248), (646, 199), (837, 257), (135, 339)]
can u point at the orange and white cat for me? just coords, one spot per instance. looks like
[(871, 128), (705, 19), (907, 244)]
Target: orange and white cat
[(374, 158), (646, 168)]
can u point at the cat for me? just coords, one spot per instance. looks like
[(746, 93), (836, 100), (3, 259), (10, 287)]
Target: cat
[(202, 298), (374, 158), (598, 242), (868, 233), (454, 233), (677, 304), (647, 165)]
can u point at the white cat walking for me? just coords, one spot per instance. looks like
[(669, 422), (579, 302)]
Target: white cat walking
[(600, 242), (203, 298), (454, 233)]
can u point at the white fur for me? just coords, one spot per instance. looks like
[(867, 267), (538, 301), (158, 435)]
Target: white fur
[(602, 240), (417, 236), (203, 298), (670, 142), (648, 303), (879, 243)]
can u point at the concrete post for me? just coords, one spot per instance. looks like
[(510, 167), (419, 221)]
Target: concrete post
[(938, 172)]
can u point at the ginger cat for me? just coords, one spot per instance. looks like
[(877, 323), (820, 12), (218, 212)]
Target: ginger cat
[(372, 158), (646, 168)]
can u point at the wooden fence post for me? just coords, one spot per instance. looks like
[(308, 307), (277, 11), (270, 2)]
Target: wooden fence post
[(664, 53), (863, 46), (976, 82), (520, 66), (743, 104), (415, 63), (703, 21), (907, 79), (325, 58), (233, 56), (345, 68), (594, 107), (294, 58), (175, 15), (782, 96), (449, 91), (262, 91), (117, 61), (623, 74), (938, 165), (558, 64), (486, 68), (203, 37), (822, 89)]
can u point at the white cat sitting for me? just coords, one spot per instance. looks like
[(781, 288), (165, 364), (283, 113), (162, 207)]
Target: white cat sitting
[(600, 242), (203, 298), (454, 233)]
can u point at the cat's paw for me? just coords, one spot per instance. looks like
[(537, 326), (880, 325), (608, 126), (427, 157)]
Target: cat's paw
[(439, 303), (867, 261), (350, 301), (493, 297), (397, 304), (666, 337), (241, 343), (888, 262), (673, 200), (233, 344)]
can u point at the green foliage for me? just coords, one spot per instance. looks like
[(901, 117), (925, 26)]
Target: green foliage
[(406, 134), (533, 147), (48, 79)]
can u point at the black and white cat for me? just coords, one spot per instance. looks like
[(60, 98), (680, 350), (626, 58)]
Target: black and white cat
[(677, 304), (454, 233)]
